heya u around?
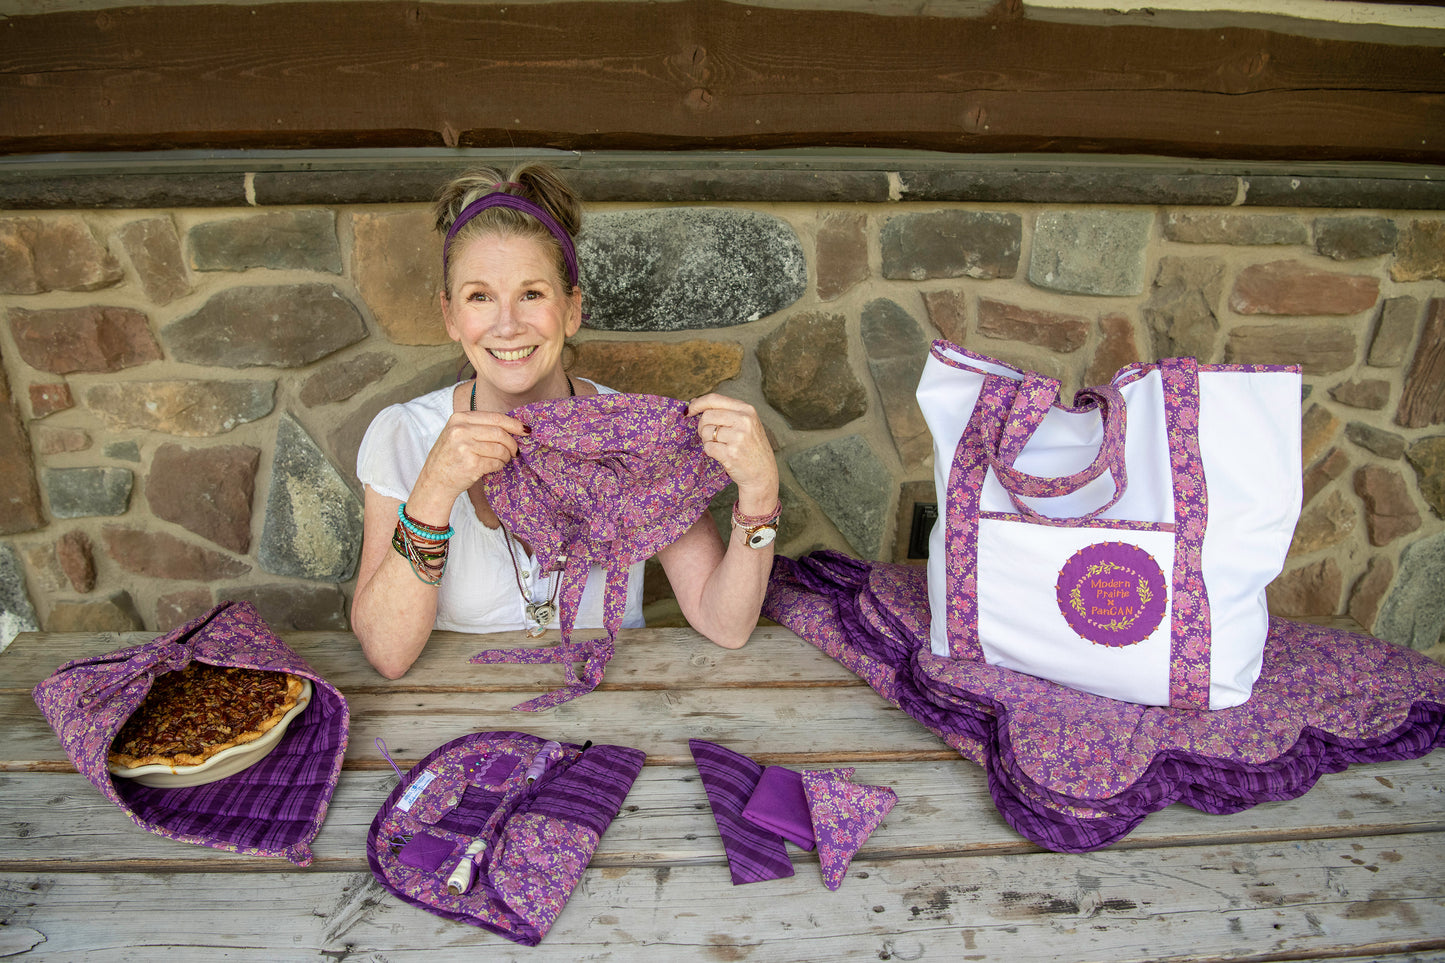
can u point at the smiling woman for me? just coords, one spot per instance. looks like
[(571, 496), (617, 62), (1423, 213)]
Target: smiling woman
[(434, 553)]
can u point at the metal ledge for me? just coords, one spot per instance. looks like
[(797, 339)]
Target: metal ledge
[(264, 178)]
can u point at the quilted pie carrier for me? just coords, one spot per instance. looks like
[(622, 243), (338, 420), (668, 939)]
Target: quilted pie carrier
[(1122, 546), (273, 808), (495, 829)]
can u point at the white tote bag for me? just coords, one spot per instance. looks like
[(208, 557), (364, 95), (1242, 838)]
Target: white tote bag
[(1121, 546)]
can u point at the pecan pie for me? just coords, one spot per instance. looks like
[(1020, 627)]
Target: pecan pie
[(190, 715)]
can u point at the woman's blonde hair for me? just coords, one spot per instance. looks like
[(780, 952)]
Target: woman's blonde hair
[(534, 181)]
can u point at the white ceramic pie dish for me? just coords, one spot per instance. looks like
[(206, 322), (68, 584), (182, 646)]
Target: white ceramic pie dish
[(225, 763)]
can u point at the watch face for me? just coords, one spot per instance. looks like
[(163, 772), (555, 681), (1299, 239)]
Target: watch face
[(761, 536)]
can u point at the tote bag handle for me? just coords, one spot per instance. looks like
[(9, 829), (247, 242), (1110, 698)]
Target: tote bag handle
[(1032, 401)]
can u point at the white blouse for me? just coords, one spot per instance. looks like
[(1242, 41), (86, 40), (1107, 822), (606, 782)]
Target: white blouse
[(479, 592)]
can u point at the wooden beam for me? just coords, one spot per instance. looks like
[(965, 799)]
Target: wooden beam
[(700, 74)]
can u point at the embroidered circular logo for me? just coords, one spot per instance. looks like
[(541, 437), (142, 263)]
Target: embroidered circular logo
[(1112, 593)]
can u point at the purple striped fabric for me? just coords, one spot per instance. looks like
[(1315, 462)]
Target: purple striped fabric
[(729, 779), (591, 791)]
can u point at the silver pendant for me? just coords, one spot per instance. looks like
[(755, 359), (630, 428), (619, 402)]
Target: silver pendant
[(540, 614)]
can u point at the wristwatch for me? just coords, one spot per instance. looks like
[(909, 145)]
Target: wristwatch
[(758, 530), (759, 536)]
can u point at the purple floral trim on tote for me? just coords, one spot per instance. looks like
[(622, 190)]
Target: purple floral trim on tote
[(1114, 523), (1073, 771), (1189, 671), (1003, 419), (273, 808), (965, 481), (1035, 397)]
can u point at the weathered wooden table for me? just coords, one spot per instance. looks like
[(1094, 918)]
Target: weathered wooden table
[(1355, 869)]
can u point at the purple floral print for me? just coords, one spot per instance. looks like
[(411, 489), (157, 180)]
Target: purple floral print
[(601, 480)]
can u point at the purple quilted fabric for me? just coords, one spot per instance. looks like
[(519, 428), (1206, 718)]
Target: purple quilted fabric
[(539, 835), (1074, 771), (603, 480), (273, 808)]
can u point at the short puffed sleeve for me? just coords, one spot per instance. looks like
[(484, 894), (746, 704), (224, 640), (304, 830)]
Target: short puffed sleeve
[(395, 448)]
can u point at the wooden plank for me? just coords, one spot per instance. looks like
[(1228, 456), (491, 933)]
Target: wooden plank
[(672, 658), (792, 728), (704, 74), (53, 822), (1366, 897)]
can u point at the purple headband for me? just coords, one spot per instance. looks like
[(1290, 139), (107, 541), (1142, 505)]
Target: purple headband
[(499, 199)]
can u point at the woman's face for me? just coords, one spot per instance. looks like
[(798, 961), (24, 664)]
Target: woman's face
[(512, 315)]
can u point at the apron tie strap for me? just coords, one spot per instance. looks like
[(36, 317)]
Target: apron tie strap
[(594, 656)]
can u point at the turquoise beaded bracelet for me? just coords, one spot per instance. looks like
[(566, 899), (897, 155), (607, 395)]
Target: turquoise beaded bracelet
[(420, 530)]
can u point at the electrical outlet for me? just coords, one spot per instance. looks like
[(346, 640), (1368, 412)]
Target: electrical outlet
[(924, 515)]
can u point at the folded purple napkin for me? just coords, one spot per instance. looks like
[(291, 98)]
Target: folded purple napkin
[(778, 804), (729, 778), (844, 815)]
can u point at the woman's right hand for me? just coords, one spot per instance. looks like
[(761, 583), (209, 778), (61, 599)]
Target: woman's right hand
[(472, 445)]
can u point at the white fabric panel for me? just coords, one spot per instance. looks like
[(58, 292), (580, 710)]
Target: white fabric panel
[(1020, 625)]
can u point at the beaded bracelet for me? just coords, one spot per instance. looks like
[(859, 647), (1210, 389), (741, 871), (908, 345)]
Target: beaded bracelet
[(427, 564), (750, 521), (406, 545), (421, 529)]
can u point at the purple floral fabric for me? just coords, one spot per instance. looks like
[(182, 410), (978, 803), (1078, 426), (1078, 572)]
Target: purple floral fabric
[(1189, 655), (1073, 771), (273, 808), (539, 862), (594, 655), (844, 816), (602, 480), (539, 835)]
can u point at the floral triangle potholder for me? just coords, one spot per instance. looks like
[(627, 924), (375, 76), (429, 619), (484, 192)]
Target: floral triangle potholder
[(844, 816)]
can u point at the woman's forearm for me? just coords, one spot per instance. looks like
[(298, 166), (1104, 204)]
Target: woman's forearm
[(392, 616), (733, 597), (720, 587), (393, 611)]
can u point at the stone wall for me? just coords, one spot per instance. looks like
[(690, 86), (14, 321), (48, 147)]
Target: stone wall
[(184, 387)]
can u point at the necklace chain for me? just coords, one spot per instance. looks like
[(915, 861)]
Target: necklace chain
[(571, 391), (539, 614)]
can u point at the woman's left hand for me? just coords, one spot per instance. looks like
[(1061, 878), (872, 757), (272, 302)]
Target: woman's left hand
[(732, 433)]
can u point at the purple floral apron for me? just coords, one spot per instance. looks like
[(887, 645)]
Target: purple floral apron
[(605, 480)]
